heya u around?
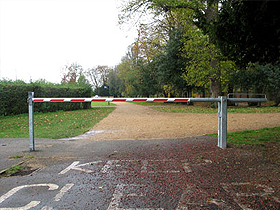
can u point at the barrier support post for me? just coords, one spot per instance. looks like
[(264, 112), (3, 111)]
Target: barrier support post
[(31, 121), (222, 122)]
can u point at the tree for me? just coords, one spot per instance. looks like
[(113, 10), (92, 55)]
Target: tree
[(98, 75), (127, 75), (171, 64), (71, 73), (249, 31), (266, 78), (200, 70), (199, 13), (114, 82)]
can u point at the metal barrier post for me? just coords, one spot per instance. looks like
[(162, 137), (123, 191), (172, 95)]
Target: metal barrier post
[(222, 122), (31, 121)]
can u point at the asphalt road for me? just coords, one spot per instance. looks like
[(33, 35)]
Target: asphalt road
[(190, 173)]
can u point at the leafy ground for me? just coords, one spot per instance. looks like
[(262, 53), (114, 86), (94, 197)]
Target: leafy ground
[(206, 108), (53, 125), (265, 141)]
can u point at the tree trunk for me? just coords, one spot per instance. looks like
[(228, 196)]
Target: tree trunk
[(215, 88), (215, 85), (277, 99)]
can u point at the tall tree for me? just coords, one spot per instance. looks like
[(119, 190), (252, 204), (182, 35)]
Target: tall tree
[(114, 82), (171, 64), (201, 13), (98, 75), (249, 31)]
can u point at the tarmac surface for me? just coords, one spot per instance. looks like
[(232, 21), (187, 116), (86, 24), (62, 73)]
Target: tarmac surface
[(188, 173), (106, 170)]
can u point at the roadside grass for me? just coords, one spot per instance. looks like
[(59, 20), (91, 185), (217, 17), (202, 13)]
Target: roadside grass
[(13, 170), (253, 137), (265, 141), (205, 108), (16, 157), (97, 103), (53, 125)]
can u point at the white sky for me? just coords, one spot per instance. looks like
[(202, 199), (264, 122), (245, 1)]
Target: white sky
[(39, 37)]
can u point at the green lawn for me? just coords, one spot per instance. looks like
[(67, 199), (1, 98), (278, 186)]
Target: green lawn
[(97, 103), (253, 137), (53, 125), (184, 108)]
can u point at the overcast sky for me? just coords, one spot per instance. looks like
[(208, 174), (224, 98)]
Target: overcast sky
[(39, 37)]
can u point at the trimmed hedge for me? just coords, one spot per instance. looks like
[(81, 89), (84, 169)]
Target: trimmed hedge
[(13, 97)]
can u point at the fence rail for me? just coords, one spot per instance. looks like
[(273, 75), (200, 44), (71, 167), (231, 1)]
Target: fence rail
[(221, 100)]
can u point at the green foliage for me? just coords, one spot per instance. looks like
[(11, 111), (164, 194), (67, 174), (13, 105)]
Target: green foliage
[(170, 66), (205, 63), (249, 31), (13, 170), (199, 52), (114, 83), (217, 36), (189, 60), (260, 79), (13, 96)]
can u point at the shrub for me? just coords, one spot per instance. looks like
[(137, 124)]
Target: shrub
[(13, 97)]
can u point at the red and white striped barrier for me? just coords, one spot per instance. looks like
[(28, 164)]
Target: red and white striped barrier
[(222, 110), (110, 99)]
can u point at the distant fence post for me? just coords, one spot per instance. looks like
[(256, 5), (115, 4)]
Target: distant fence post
[(222, 122), (31, 121)]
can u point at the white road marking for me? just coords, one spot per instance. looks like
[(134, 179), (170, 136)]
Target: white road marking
[(117, 196), (32, 203), (114, 204), (108, 166), (14, 190), (90, 163), (193, 196), (187, 168), (217, 202), (47, 208), (73, 165), (63, 191), (117, 163), (26, 207), (266, 191), (207, 161), (144, 166), (83, 170)]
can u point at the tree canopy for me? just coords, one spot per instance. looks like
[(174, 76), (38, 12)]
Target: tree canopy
[(249, 31)]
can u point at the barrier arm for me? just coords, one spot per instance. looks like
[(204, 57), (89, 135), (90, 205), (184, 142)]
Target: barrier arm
[(222, 110)]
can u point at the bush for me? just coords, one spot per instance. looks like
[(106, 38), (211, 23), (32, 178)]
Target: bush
[(13, 97)]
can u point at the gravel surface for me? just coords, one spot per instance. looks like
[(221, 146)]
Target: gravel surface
[(131, 121)]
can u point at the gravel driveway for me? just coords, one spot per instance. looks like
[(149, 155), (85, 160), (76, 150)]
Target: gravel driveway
[(131, 121)]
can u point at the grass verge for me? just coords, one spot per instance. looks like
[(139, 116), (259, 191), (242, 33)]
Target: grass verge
[(53, 125), (97, 103), (253, 137), (265, 141), (14, 169), (205, 108)]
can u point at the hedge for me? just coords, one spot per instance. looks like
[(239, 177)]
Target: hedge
[(13, 97)]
